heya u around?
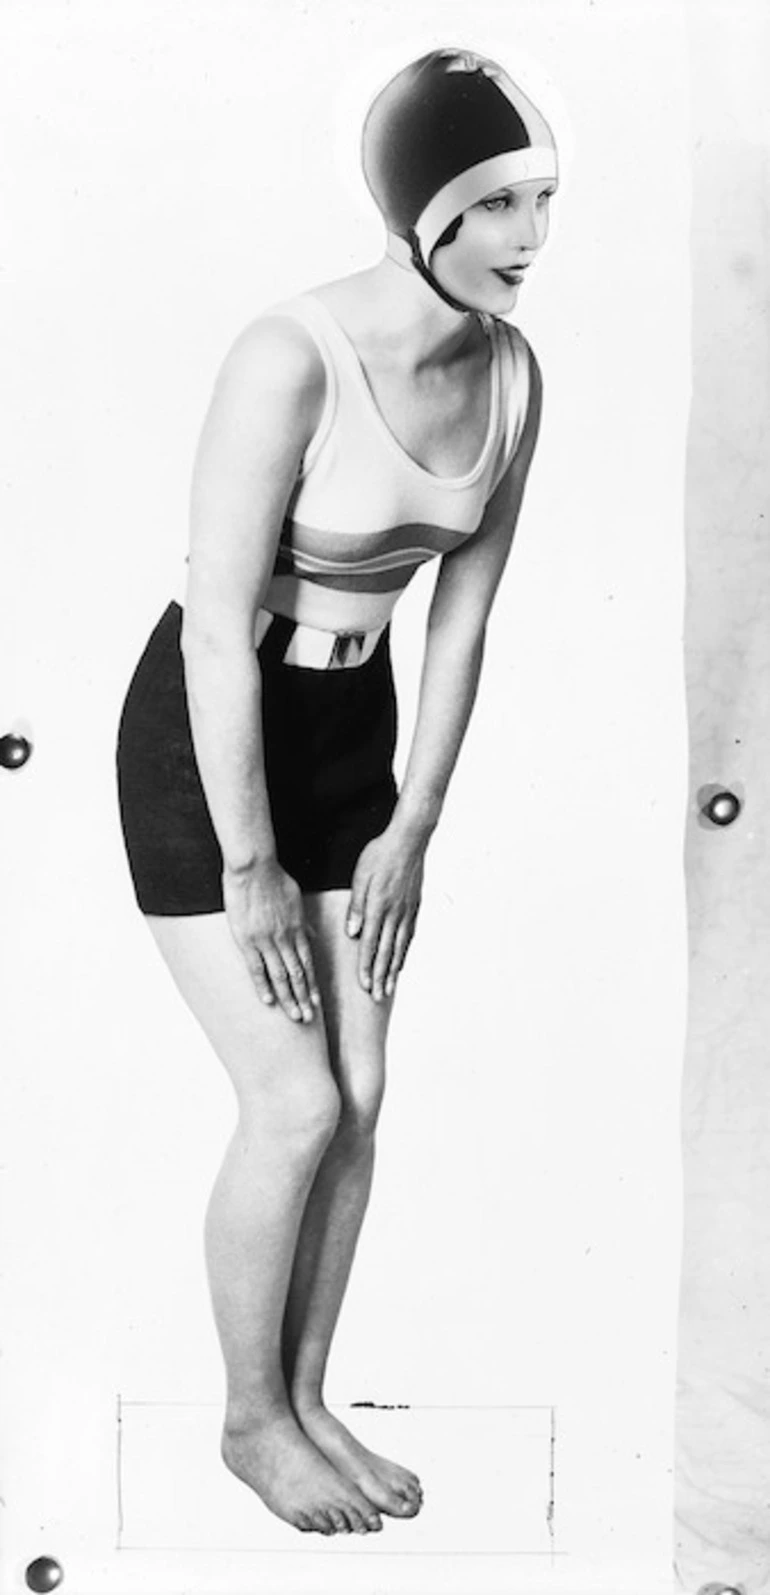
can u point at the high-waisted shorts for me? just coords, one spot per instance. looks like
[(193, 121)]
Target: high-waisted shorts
[(329, 739)]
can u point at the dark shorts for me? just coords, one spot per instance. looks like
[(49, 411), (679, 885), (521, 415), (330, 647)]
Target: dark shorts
[(329, 738)]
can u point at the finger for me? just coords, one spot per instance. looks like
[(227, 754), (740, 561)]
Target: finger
[(383, 956), (370, 936), (280, 983), (401, 945), (259, 975), (295, 971), (305, 955), (357, 906)]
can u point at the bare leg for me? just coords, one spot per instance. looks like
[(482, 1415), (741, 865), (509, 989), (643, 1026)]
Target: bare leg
[(356, 1032), (288, 1109)]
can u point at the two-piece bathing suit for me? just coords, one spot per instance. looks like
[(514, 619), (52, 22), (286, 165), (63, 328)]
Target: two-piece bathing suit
[(361, 519)]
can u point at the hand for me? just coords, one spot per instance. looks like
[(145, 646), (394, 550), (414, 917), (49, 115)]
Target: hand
[(265, 913), (384, 903)]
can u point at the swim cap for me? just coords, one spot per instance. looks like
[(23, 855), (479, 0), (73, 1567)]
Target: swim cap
[(447, 130)]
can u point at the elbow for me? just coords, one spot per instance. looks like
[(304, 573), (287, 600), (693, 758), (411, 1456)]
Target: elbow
[(211, 645), (198, 638)]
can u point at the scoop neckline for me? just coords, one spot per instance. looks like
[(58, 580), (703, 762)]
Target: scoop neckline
[(488, 324)]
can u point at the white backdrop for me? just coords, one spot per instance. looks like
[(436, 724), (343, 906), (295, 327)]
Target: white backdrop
[(723, 1450), (175, 168)]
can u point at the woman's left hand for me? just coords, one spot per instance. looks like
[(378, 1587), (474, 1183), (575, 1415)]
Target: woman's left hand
[(384, 903)]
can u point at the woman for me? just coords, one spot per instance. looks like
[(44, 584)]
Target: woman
[(354, 432)]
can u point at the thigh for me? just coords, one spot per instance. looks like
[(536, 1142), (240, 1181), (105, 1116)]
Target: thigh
[(269, 1058), (356, 1026)]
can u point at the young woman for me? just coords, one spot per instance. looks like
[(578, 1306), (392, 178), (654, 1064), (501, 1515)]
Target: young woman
[(354, 432)]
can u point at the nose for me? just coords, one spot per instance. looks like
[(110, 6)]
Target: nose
[(531, 224)]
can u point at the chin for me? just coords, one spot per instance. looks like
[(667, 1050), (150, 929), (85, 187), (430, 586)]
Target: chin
[(498, 298)]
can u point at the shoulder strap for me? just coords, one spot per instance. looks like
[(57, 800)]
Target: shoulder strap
[(514, 398), (517, 389)]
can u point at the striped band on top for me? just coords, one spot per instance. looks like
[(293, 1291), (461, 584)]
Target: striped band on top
[(340, 548), (377, 576)]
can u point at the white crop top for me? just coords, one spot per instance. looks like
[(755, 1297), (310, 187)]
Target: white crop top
[(364, 515)]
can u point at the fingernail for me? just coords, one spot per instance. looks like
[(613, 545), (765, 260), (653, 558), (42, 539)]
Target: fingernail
[(295, 1013), (315, 999), (389, 988), (268, 1001)]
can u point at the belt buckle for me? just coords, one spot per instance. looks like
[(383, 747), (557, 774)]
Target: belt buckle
[(347, 649)]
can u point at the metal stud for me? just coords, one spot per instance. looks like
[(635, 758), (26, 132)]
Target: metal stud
[(44, 1574), (722, 808), (14, 750)]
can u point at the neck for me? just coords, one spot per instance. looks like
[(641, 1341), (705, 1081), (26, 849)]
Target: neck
[(411, 311)]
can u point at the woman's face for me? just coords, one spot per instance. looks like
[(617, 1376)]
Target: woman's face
[(500, 236)]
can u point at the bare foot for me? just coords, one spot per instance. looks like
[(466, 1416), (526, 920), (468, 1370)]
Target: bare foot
[(295, 1481), (392, 1488)]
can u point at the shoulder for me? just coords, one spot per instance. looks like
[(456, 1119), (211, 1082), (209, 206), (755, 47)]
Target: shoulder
[(525, 392), (276, 350), (273, 367)]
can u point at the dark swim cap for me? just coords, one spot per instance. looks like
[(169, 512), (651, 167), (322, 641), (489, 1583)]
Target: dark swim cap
[(447, 130)]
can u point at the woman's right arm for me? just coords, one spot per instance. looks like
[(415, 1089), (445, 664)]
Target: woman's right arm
[(265, 408)]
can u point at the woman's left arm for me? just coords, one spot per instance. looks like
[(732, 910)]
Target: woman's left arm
[(386, 890)]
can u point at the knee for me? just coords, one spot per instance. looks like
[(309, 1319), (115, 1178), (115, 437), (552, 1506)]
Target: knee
[(361, 1094), (299, 1115)]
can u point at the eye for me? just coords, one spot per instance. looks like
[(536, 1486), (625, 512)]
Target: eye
[(546, 194), (497, 202)]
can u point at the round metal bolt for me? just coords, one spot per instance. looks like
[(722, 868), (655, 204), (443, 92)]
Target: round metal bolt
[(44, 1574), (14, 751), (722, 809)]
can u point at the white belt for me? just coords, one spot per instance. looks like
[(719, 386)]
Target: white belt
[(314, 649)]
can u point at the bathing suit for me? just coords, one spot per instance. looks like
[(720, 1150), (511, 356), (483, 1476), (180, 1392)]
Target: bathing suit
[(362, 518)]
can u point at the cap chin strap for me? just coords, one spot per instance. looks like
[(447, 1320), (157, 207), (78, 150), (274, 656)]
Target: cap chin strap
[(428, 277)]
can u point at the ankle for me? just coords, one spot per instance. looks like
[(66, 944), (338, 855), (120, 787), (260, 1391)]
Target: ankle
[(253, 1417), (308, 1403)]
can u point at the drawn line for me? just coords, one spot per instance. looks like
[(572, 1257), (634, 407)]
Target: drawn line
[(255, 1550), (390, 1406), (551, 1513), (384, 1406), (119, 1474)]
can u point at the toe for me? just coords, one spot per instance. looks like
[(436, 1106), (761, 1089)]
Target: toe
[(303, 1523), (339, 1520), (322, 1523)]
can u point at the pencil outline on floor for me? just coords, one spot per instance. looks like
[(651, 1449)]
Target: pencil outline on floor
[(301, 1550), (119, 1474)]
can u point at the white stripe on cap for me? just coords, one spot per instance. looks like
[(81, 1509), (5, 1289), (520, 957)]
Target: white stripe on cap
[(513, 166)]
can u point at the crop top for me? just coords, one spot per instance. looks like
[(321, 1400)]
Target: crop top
[(364, 515)]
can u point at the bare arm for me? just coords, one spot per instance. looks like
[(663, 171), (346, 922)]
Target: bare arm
[(264, 410), (387, 886)]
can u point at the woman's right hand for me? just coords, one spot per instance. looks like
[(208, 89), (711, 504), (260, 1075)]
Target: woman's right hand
[(265, 914)]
